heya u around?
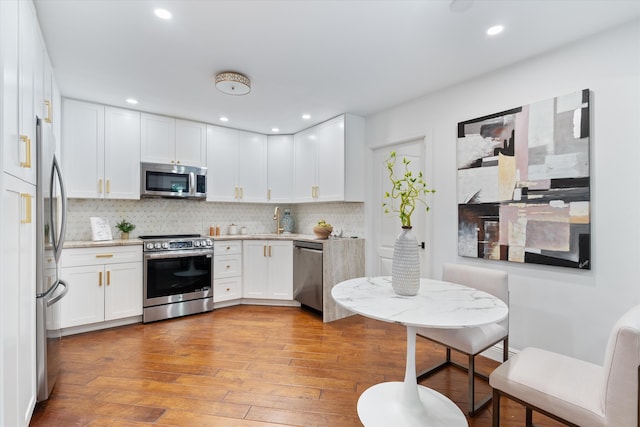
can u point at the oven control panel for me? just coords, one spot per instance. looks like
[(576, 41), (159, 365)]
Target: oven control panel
[(177, 245)]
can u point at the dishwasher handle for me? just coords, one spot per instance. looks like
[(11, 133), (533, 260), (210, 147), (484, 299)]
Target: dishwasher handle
[(314, 251)]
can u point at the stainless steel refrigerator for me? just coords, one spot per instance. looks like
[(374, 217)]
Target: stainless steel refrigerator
[(51, 208)]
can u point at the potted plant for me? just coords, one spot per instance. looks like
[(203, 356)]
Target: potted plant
[(409, 191), (125, 228)]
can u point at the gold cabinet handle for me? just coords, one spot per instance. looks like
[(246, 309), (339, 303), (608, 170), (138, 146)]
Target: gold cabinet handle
[(172, 161), (228, 289), (228, 248), (100, 278), (269, 251), (104, 256), (178, 162), (241, 192), (108, 277), (100, 186), (108, 186), (27, 208), (228, 267), (49, 117), (269, 194), (235, 194), (27, 162), (264, 251)]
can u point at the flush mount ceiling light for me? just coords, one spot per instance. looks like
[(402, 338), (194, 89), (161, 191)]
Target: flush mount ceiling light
[(162, 14), (233, 83)]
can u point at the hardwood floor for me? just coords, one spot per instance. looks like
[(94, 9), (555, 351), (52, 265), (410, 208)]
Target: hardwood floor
[(242, 366)]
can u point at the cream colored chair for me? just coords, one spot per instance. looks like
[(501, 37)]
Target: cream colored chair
[(472, 341), (573, 391)]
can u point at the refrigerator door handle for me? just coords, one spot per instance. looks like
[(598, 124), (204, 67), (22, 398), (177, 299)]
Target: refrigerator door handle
[(57, 238), (61, 295)]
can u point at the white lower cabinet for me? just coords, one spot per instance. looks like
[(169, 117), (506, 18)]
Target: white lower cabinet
[(104, 284), (17, 302), (227, 270), (267, 269)]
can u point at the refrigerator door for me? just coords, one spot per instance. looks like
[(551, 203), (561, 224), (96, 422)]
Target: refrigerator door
[(51, 225)]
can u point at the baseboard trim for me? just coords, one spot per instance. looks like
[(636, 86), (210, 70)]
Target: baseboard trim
[(495, 352)]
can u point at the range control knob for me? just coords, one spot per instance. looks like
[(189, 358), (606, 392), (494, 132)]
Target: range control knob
[(209, 242), (196, 243), (149, 245), (165, 245), (156, 245)]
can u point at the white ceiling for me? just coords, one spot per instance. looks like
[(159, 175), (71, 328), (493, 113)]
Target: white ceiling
[(322, 57)]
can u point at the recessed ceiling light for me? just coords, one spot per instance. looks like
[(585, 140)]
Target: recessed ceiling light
[(306, 116), (496, 29), (275, 130), (132, 101), (224, 119), (162, 13)]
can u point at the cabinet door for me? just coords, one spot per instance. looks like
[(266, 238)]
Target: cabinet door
[(123, 290), (280, 168), (330, 160), (83, 149), (122, 154), (222, 164), (254, 269), (304, 152), (280, 276), (84, 302), (27, 25), (17, 302), (252, 167), (158, 138), (191, 143)]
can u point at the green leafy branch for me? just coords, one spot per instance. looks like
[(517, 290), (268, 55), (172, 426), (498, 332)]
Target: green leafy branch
[(125, 226), (408, 189)]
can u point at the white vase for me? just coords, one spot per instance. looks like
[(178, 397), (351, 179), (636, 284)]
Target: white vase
[(405, 270)]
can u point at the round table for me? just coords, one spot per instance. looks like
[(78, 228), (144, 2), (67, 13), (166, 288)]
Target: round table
[(438, 304)]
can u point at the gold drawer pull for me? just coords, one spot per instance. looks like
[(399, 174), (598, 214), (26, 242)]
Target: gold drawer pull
[(108, 278), (27, 162), (48, 119), (104, 256), (27, 208), (100, 278), (228, 267)]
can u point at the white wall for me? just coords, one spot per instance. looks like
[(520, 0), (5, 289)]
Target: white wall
[(559, 309)]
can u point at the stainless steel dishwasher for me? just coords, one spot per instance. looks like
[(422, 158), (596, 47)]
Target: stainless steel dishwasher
[(307, 273)]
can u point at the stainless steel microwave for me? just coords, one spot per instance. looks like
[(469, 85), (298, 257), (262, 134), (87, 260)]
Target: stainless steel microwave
[(173, 181)]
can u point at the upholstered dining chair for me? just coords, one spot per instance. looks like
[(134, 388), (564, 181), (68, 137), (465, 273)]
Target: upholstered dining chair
[(471, 341), (573, 391)]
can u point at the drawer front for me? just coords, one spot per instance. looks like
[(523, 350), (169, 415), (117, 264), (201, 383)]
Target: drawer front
[(104, 255), (227, 289), (227, 266), (231, 247)]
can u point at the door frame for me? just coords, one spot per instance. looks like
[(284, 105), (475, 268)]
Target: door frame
[(371, 242)]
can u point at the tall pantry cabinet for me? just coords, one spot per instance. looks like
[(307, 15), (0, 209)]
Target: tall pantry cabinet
[(28, 89)]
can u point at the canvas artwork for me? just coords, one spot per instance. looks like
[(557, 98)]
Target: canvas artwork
[(524, 184)]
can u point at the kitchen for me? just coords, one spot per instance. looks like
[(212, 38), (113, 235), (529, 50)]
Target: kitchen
[(385, 125)]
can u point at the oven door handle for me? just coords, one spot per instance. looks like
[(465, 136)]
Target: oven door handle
[(178, 254)]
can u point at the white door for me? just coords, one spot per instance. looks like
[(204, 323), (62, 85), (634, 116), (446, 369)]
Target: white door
[(121, 154), (388, 225), (123, 290), (191, 143), (252, 167)]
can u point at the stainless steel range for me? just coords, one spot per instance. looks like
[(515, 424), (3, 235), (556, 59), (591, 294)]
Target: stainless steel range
[(178, 274)]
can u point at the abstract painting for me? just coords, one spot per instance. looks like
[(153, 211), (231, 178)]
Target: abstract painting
[(524, 184)]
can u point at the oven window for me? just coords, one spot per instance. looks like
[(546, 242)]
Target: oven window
[(181, 275), (172, 182)]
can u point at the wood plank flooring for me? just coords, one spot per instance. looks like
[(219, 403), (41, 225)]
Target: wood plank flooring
[(243, 366)]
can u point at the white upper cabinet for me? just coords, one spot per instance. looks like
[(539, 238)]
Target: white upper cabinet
[(173, 141), (101, 151), (329, 161), (18, 50), (236, 165), (280, 168)]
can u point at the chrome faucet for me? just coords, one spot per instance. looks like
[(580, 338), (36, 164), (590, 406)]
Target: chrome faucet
[(276, 218)]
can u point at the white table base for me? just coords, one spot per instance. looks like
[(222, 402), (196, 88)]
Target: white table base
[(407, 403), (382, 405)]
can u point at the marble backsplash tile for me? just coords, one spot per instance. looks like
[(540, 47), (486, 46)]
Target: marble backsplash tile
[(165, 216)]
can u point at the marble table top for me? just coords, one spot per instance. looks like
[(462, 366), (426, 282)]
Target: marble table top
[(438, 304)]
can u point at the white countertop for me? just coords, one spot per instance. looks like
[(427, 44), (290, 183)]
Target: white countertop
[(135, 241)]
